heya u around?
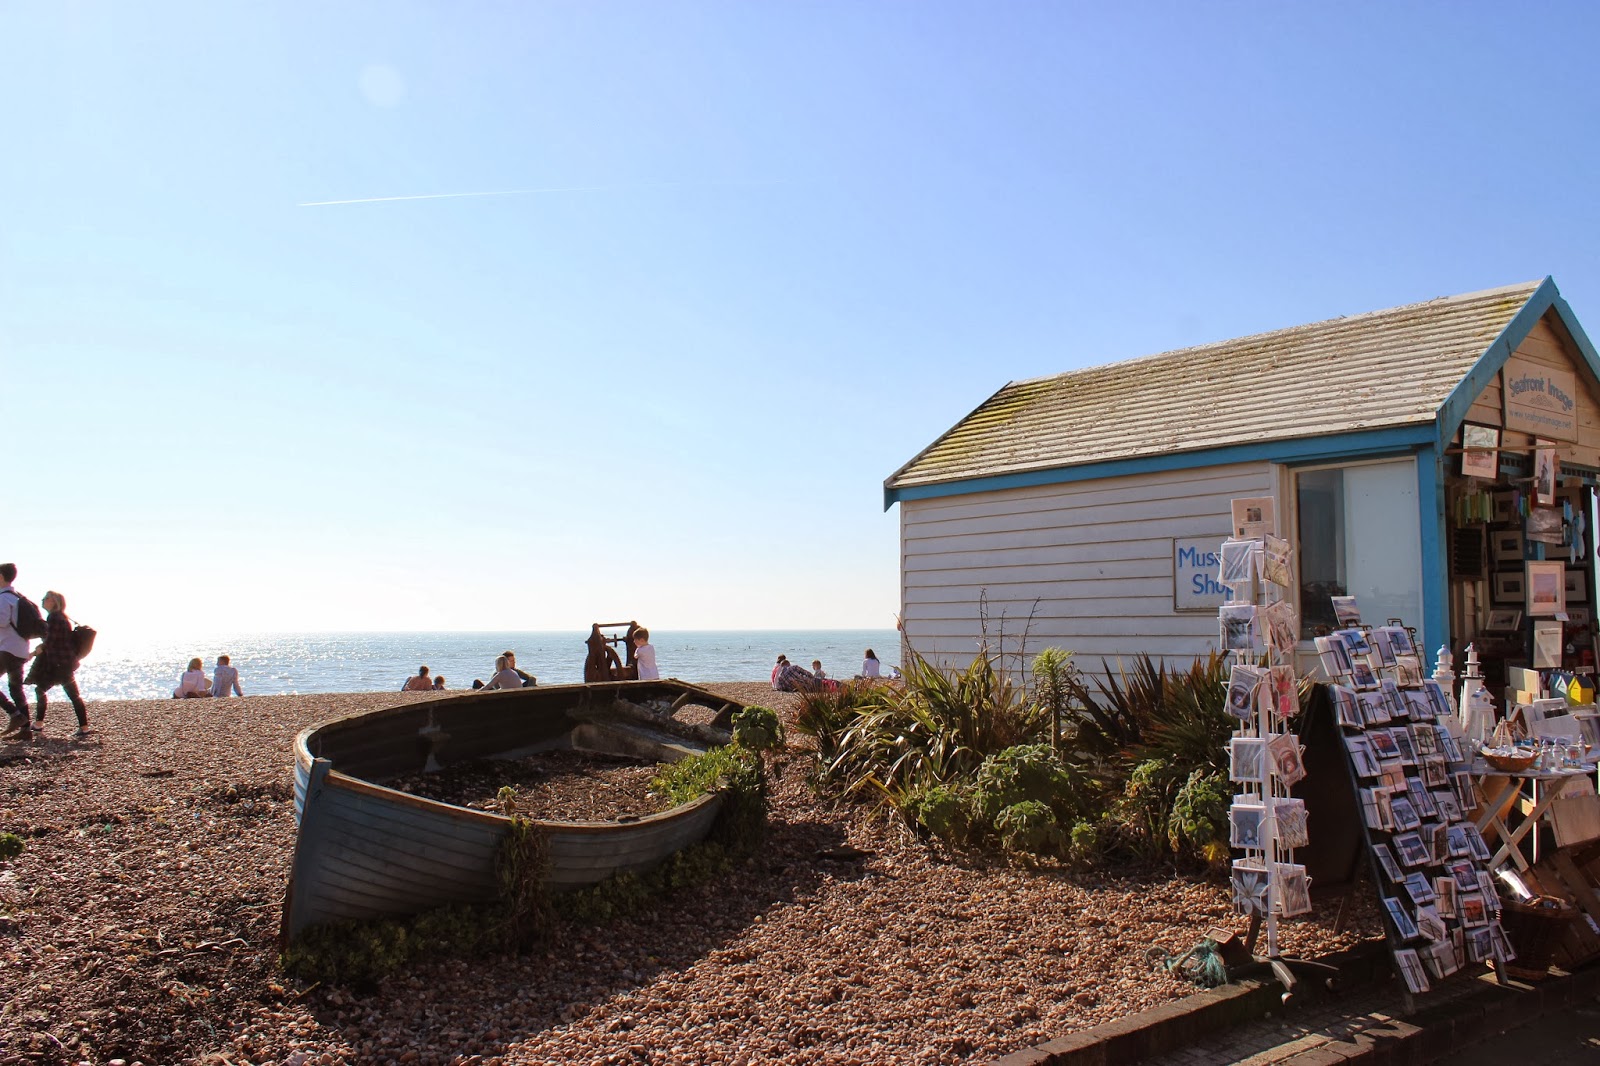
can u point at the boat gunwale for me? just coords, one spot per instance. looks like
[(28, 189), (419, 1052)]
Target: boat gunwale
[(305, 760)]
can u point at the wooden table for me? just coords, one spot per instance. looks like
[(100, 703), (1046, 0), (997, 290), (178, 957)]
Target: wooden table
[(1547, 788)]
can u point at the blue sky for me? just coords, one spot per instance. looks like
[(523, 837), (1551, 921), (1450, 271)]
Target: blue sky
[(767, 252)]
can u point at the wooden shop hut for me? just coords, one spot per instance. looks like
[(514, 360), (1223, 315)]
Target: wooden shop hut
[(1087, 507)]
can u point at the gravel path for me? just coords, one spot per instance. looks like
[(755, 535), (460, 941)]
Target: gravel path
[(139, 924)]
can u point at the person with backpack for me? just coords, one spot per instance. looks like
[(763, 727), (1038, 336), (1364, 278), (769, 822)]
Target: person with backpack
[(57, 663), (20, 622)]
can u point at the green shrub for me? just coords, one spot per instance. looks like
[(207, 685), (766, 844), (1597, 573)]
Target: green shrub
[(1199, 820), (941, 810), (1025, 773), (824, 716), (10, 846), (758, 729), (734, 771), (1030, 827), (1083, 843)]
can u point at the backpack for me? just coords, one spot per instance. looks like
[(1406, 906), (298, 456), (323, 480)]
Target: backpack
[(82, 641), (30, 623)]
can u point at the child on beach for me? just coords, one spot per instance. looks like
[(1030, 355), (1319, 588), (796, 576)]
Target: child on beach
[(644, 656), (817, 671)]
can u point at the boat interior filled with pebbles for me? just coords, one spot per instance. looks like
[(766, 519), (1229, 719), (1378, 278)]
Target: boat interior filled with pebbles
[(401, 810)]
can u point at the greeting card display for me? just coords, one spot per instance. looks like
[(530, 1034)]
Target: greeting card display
[(1414, 793)]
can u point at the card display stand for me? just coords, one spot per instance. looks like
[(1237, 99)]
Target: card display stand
[(1442, 913), (1259, 628)]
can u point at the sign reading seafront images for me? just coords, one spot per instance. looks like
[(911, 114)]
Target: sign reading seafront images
[(1539, 400), (1194, 574)]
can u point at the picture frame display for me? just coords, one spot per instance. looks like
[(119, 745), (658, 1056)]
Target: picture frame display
[(1507, 546), (1577, 586), (1480, 456), (1546, 588), (1510, 586), (1502, 620)]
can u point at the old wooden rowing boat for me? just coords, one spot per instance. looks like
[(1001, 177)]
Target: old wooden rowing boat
[(364, 850)]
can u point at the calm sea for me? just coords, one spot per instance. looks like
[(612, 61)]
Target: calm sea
[(289, 663)]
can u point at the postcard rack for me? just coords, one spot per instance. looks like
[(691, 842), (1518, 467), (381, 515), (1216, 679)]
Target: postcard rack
[(1425, 854), (1266, 823)]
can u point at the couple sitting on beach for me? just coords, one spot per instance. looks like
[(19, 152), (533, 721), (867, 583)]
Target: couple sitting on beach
[(506, 674), (195, 684)]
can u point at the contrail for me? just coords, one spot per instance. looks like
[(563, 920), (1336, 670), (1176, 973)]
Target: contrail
[(528, 192)]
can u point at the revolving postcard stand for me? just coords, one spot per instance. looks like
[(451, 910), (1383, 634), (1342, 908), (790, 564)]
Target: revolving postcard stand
[(1427, 858), (1265, 822)]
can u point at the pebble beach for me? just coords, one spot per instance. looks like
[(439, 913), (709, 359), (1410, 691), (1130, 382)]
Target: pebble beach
[(140, 921)]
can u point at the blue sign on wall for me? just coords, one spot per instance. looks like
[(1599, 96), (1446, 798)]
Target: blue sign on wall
[(1194, 573)]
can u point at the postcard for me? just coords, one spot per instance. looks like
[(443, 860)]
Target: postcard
[(1400, 918), (1474, 910), (1458, 844), (1407, 671), (1392, 699), (1243, 681), (1289, 817), (1250, 886), (1545, 525), (1345, 706), (1419, 886), (1355, 640), (1430, 923), (1402, 742), (1449, 809), (1375, 808), (1294, 888), (1421, 798), (1285, 752), (1479, 455), (1418, 705), (1440, 958), (1436, 697), (1546, 645), (1238, 621), (1245, 824), (1275, 562), (1405, 815), (1284, 691), (1480, 848), (1412, 851), (1361, 756), (1378, 640), (1245, 759), (1400, 639), (1445, 889), (1361, 674), (1546, 468), (1502, 945), (1480, 944), (1374, 709), (1238, 565), (1386, 860), (1411, 970), (1383, 744), (1282, 628), (1253, 517), (1335, 660), (1345, 611), (1464, 873)]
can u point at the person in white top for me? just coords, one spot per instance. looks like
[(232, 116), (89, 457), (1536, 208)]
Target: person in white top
[(870, 666), (644, 656), (817, 671), (225, 681), (194, 683), (505, 675), (14, 651)]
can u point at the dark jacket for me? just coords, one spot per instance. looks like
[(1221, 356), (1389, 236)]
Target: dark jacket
[(57, 660)]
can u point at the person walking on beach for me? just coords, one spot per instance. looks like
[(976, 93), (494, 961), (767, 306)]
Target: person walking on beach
[(644, 656), (57, 663), (225, 678), (421, 683), (13, 653), (870, 667), (194, 683)]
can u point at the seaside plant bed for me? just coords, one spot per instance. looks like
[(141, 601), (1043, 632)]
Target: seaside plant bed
[(140, 921), (562, 786)]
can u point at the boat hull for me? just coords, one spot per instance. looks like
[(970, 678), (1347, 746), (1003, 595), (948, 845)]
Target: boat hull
[(367, 851)]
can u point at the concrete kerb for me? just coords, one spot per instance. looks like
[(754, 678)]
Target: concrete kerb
[(1253, 995)]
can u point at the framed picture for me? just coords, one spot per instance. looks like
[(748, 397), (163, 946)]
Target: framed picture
[(1505, 508), (1546, 645), (1505, 546), (1578, 616), (1478, 457), (1546, 588), (1546, 468), (1577, 587), (1509, 587), (1502, 620), (1545, 525)]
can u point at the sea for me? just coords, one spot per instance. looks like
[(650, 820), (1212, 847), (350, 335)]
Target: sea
[(295, 663)]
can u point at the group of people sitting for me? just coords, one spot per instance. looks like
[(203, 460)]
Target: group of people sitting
[(194, 684), (506, 675), (791, 677)]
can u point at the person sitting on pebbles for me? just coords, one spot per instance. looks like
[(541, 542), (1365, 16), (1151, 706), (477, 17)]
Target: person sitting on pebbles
[(420, 683), (194, 684)]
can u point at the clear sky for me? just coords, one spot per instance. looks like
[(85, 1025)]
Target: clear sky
[(751, 257)]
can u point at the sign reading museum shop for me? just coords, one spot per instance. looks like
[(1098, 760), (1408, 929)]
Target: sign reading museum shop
[(1539, 400), (1194, 574)]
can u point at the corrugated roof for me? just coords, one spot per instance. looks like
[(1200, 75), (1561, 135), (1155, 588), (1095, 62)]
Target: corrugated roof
[(1370, 371)]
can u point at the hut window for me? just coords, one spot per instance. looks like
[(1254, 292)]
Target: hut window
[(1359, 536)]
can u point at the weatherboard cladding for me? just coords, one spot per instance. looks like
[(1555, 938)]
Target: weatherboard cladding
[(1371, 371)]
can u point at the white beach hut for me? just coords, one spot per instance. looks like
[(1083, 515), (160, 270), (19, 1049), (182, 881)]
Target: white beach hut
[(1092, 502)]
